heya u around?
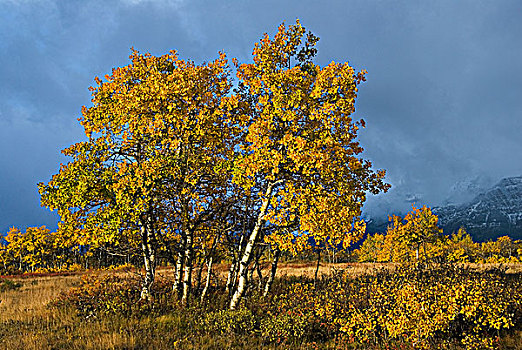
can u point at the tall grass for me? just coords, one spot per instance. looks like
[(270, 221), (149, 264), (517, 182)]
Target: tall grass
[(27, 322)]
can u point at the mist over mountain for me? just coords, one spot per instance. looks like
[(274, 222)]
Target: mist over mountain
[(486, 212), (491, 214), (466, 190)]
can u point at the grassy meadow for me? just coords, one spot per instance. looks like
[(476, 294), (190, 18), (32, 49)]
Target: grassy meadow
[(41, 312), (26, 321)]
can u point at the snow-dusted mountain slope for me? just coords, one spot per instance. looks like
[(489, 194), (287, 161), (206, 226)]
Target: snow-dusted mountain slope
[(493, 213)]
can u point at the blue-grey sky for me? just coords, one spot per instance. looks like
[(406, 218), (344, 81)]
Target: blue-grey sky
[(443, 100)]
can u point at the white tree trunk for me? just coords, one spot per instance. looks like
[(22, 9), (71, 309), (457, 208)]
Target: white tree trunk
[(187, 278), (149, 257), (207, 281), (247, 254)]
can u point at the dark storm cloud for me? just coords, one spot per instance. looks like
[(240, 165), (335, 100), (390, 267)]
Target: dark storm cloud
[(442, 101)]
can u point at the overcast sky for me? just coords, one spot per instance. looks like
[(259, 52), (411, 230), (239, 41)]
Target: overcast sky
[(443, 100)]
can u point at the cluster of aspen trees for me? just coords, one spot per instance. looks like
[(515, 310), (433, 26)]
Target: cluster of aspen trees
[(40, 250), (417, 237), (185, 164)]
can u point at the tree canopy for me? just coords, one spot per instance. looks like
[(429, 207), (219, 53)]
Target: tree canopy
[(176, 156)]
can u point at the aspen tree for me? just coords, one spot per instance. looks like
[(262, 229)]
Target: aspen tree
[(300, 153), (154, 160)]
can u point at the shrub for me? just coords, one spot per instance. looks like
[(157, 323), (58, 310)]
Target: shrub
[(240, 321), (441, 307), (114, 294)]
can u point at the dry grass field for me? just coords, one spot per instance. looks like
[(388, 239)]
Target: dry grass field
[(26, 321)]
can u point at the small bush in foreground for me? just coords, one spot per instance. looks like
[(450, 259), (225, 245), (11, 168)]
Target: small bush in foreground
[(424, 308), (240, 321), (116, 295), (443, 307)]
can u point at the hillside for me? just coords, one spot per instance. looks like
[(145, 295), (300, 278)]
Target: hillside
[(493, 213)]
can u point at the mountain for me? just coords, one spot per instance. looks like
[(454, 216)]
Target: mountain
[(491, 214), (467, 189)]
